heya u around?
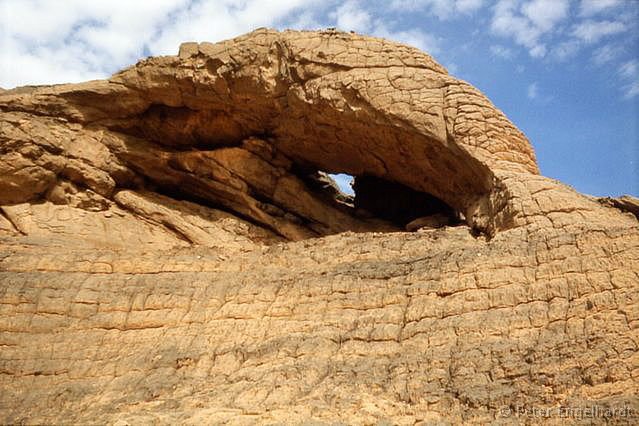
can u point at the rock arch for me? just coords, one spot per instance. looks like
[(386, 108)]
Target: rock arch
[(128, 295), (243, 123), (393, 114)]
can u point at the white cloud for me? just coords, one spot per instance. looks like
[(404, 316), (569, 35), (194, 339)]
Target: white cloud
[(538, 51), (468, 6), (629, 69), (632, 89), (591, 31), (565, 50), (442, 9), (593, 7), (541, 26), (48, 41), (507, 22), (533, 91), (545, 14), (526, 24), (305, 20), (41, 65), (350, 16)]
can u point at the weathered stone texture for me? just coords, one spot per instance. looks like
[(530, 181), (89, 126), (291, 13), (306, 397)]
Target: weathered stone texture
[(171, 250)]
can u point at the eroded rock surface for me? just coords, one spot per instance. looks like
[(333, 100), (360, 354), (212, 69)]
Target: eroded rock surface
[(172, 251), (625, 203)]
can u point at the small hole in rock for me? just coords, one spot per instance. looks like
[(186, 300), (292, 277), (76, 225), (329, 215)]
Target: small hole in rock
[(370, 197), (344, 182)]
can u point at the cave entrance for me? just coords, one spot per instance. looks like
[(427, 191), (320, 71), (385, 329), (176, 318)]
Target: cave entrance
[(399, 204), (377, 201), (406, 208)]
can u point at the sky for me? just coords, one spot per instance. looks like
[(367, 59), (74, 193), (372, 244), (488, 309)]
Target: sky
[(566, 72)]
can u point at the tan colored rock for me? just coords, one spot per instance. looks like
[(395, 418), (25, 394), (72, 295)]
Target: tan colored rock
[(172, 251), (625, 203), (432, 221)]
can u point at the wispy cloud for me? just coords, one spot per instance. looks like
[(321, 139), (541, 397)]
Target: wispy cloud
[(527, 24), (501, 51), (565, 50), (632, 89), (591, 31), (413, 37), (533, 91), (442, 9), (351, 16), (629, 69), (468, 6), (593, 7), (606, 53), (629, 72), (536, 93)]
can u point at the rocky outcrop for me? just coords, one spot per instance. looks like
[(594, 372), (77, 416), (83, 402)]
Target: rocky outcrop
[(625, 203), (172, 249)]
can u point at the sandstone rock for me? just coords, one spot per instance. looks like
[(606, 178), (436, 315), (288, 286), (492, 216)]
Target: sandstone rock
[(624, 203), (172, 249), (432, 221)]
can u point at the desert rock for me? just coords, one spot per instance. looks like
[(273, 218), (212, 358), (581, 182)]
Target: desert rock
[(173, 251)]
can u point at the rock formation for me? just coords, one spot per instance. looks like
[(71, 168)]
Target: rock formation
[(172, 249)]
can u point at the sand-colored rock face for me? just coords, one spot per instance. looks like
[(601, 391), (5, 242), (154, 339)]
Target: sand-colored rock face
[(171, 250)]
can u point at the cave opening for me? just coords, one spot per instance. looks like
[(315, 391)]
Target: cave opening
[(401, 205), (295, 186), (371, 197)]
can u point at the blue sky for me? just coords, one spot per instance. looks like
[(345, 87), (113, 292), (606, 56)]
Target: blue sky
[(566, 72)]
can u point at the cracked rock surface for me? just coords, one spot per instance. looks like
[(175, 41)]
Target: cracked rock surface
[(172, 250)]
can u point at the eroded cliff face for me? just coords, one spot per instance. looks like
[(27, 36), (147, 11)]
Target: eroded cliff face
[(172, 249)]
